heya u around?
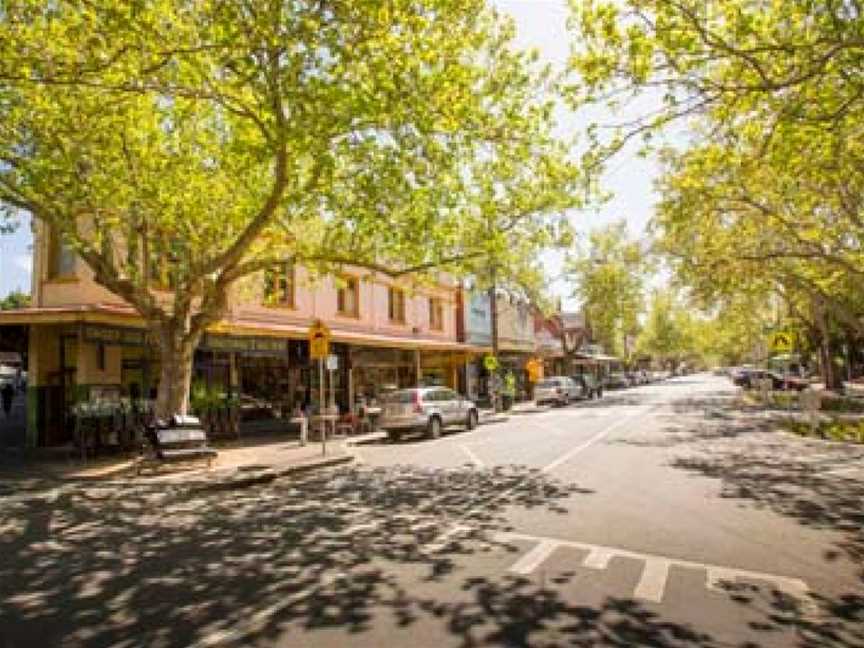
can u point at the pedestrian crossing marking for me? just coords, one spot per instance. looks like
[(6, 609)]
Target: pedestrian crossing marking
[(655, 571), (652, 583), (597, 559), (534, 558)]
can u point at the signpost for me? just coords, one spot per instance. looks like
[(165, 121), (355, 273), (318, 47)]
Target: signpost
[(319, 348), (490, 362), (782, 342), (332, 365)]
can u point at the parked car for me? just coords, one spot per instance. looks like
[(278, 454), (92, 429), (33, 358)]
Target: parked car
[(556, 389), (748, 378), (589, 386), (616, 380), (426, 410)]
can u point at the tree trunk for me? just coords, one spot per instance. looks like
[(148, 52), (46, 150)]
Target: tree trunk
[(830, 375), (176, 353)]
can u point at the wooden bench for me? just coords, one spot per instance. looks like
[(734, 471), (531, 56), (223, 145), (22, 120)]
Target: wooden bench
[(181, 439)]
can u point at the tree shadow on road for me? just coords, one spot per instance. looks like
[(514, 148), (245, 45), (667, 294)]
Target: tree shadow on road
[(799, 479), (158, 566)]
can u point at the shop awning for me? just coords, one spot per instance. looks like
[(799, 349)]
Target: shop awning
[(359, 338), (595, 358), (97, 313), (125, 316)]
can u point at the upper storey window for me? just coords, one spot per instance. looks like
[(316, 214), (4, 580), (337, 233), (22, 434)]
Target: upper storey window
[(61, 256)]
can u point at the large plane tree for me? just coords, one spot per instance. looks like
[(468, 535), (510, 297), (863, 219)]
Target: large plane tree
[(180, 145)]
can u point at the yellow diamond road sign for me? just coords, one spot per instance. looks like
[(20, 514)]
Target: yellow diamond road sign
[(319, 341), (781, 342)]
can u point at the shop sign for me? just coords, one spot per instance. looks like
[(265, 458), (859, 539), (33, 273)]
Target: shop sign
[(229, 343), (114, 335), (332, 362), (319, 341)]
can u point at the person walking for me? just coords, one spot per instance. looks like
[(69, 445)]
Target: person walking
[(7, 393)]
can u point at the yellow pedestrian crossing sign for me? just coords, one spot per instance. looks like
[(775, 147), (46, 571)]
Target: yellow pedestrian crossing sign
[(781, 342), (319, 341)]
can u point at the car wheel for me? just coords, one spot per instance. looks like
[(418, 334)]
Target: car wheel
[(394, 436), (433, 430), (472, 420)]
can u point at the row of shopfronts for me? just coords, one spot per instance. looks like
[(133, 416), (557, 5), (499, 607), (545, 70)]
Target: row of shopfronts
[(84, 346), (97, 355), (270, 377)]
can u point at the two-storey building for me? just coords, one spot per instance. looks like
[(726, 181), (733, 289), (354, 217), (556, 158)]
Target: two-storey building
[(86, 343)]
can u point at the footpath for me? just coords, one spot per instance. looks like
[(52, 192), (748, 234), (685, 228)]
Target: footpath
[(242, 463)]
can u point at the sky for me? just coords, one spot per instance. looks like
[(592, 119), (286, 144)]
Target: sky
[(541, 25)]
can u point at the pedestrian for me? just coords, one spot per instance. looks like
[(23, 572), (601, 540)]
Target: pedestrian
[(7, 393)]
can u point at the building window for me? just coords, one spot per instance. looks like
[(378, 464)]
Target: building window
[(397, 305), (279, 285), (436, 314), (348, 297), (61, 257)]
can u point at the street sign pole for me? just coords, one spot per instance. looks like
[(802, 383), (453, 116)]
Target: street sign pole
[(319, 348), (321, 407)]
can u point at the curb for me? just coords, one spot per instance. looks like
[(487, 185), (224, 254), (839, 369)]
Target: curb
[(269, 474), (367, 439), (500, 418)]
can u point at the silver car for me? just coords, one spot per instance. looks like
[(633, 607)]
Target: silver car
[(428, 410), (557, 389)]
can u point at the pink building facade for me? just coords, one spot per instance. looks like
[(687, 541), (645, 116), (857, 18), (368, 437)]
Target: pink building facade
[(86, 344)]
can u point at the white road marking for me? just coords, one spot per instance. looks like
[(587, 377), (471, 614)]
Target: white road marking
[(534, 558), (438, 542), (443, 539), (652, 583), (716, 576), (472, 456), (597, 559), (594, 439)]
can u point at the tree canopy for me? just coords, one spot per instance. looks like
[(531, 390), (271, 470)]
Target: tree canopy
[(14, 299), (609, 271), (178, 147), (765, 198)]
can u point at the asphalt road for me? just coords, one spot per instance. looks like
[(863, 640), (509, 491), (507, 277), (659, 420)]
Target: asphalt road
[(660, 516)]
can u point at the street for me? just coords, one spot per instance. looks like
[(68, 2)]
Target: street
[(664, 515)]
